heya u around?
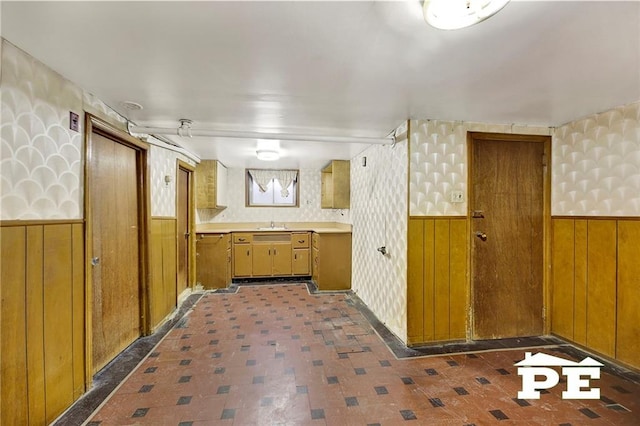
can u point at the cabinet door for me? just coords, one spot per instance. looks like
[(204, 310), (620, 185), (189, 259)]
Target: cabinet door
[(242, 260), (262, 254), (332, 261), (211, 263), (204, 254), (301, 261), (281, 255)]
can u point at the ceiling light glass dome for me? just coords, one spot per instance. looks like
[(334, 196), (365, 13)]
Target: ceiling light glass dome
[(456, 14)]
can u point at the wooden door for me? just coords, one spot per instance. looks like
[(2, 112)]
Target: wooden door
[(184, 231), (507, 234), (115, 247)]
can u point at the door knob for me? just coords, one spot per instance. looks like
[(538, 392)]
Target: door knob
[(95, 261), (481, 235)]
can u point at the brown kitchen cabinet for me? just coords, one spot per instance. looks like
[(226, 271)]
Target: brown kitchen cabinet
[(213, 260), (211, 185), (242, 255), (336, 185), (271, 255), (332, 260), (301, 246)]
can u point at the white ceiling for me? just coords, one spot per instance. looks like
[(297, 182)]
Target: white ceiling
[(333, 68)]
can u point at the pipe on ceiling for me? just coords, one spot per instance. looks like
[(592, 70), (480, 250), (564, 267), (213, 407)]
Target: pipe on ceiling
[(260, 135)]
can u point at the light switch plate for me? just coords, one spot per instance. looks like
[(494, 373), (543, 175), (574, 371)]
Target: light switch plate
[(74, 121), (457, 197)]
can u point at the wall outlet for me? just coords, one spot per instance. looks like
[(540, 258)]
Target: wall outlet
[(457, 197)]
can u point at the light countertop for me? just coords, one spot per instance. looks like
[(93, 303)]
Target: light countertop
[(319, 227)]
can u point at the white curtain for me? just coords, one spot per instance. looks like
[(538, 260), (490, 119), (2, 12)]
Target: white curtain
[(262, 178), (285, 177)]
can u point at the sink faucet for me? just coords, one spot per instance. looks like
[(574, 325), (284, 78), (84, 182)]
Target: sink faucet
[(273, 225)]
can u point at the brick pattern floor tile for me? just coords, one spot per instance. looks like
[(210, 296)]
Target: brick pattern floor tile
[(275, 354)]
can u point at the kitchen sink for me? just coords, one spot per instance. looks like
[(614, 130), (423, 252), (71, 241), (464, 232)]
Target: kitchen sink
[(277, 228)]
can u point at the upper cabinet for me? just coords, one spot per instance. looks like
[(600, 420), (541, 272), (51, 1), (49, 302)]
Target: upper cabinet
[(336, 184), (211, 185)]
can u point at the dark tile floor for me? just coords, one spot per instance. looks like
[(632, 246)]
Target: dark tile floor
[(278, 355)]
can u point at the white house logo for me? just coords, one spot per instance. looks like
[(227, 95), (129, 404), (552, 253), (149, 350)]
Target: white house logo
[(578, 375)]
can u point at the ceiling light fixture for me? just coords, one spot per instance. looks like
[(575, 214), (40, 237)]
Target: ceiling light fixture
[(185, 126), (456, 14), (268, 154), (131, 106)]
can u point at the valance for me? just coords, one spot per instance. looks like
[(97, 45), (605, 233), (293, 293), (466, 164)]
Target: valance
[(263, 177)]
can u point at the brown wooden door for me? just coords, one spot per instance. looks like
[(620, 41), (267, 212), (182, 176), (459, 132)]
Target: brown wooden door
[(507, 229), (115, 248), (183, 229)]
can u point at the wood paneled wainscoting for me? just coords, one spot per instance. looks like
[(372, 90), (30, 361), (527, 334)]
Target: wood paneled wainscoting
[(42, 319), (596, 285), (164, 267), (437, 289)]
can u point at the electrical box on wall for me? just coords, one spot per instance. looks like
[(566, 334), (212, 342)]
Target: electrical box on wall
[(457, 197), (74, 121)]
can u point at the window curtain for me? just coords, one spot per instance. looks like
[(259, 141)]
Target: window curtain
[(262, 178), (285, 177)]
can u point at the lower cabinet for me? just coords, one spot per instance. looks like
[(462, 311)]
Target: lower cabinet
[(213, 260), (301, 262), (271, 258), (332, 260), (242, 255), (326, 256)]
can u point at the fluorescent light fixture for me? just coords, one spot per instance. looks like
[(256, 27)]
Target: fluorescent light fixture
[(456, 14), (268, 154)]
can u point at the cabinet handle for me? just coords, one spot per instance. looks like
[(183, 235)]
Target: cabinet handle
[(275, 252), (269, 252), (239, 239), (247, 252), (301, 241), (295, 256)]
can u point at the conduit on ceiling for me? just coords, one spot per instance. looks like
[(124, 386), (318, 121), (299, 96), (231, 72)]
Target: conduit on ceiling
[(184, 129)]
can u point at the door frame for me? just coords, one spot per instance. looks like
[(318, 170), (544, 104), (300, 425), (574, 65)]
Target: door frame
[(93, 125), (546, 236), (191, 203)]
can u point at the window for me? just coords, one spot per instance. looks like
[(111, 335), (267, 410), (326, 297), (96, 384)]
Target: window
[(265, 188)]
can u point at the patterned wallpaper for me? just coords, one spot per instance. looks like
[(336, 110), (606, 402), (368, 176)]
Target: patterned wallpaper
[(41, 175), (41, 159), (163, 195), (438, 163), (379, 217), (309, 210), (596, 165)]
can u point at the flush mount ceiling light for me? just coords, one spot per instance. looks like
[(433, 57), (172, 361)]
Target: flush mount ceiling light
[(268, 154), (131, 106), (456, 14)]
